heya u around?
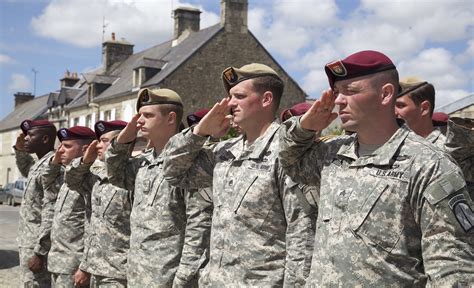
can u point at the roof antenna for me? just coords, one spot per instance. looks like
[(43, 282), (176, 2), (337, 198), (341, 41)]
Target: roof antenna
[(172, 10), (103, 22), (34, 87)]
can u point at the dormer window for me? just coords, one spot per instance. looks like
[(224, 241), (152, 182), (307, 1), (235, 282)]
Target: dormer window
[(98, 84), (145, 69)]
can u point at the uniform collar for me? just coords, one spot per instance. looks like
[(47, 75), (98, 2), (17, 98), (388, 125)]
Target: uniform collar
[(434, 135), (383, 156), (258, 148)]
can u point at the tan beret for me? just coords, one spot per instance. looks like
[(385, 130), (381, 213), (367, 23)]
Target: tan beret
[(231, 76), (410, 84), (157, 96)]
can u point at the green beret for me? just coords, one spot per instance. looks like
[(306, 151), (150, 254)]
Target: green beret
[(157, 96), (232, 76), (410, 84)]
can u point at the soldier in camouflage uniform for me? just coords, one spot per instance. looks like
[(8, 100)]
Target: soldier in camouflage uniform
[(170, 226), (259, 227), (393, 209), (107, 242), (38, 137), (460, 145), (71, 213), (415, 104)]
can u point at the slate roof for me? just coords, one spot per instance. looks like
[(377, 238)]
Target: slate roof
[(33, 109), (163, 56), (457, 105)]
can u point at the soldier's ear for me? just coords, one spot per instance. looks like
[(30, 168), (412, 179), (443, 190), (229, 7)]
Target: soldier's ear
[(267, 99), (425, 107), (172, 118), (45, 139), (388, 94)]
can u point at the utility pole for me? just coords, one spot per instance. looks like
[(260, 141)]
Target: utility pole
[(34, 86)]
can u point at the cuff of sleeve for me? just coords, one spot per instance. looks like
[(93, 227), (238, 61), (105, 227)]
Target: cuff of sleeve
[(40, 251), (192, 138), (120, 147), (300, 133)]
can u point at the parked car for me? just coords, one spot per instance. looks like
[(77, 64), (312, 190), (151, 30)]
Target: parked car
[(3, 196), (15, 194), (7, 189)]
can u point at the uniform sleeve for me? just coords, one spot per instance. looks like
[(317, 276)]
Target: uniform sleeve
[(188, 162), (447, 227), (195, 252), (24, 161), (121, 168), (52, 180), (299, 155), (78, 175), (301, 222)]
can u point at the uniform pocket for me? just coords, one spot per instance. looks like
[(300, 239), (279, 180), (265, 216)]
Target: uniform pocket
[(381, 217)]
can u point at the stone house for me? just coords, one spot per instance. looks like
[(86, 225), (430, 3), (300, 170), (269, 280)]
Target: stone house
[(191, 64)]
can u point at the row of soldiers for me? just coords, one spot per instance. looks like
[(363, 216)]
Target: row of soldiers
[(276, 206)]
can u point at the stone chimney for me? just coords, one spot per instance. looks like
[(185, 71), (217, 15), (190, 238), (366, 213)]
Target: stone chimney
[(22, 97), (69, 80), (185, 18), (234, 15), (114, 51)]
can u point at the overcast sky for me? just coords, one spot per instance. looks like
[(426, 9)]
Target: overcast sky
[(431, 39)]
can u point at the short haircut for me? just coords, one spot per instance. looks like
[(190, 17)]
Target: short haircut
[(388, 77), (272, 84), (85, 141), (165, 109), (425, 92)]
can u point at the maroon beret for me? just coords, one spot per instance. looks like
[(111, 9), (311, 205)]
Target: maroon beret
[(358, 64), (295, 110), (195, 117), (440, 119), (102, 127), (76, 132), (28, 124)]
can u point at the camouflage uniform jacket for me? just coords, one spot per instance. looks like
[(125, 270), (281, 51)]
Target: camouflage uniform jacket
[(106, 248), (401, 217), (260, 230), (51, 187), (170, 226), (71, 216), (437, 138), (34, 199), (460, 145)]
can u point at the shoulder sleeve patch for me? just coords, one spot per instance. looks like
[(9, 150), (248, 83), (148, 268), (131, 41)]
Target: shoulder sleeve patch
[(442, 188)]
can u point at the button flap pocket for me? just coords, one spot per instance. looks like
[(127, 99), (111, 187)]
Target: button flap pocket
[(241, 194), (367, 206)]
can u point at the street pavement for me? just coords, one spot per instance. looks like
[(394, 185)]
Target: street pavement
[(9, 269)]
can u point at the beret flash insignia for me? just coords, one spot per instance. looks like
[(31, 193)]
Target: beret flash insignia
[(337, 68)]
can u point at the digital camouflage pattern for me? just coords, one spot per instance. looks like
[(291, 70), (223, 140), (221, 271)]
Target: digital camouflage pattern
[(71, 217), (260, 231), (437, 138), (106, 248), (30, 216), (51, 187), (401, 217), (170, 226), (460, 145)]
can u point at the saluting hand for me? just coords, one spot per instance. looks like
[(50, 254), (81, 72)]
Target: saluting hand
[(91, 153), (320, 115), (57, 155), (129, 133), (20, 142), (216, 122)]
